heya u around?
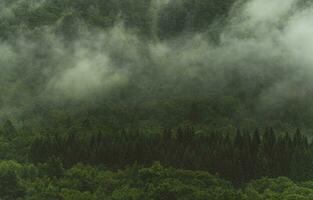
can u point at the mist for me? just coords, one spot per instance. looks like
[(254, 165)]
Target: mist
[(254, 61)]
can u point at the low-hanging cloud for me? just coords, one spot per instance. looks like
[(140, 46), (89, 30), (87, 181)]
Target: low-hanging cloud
[(260, 40)]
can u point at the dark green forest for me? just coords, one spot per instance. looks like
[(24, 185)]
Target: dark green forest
[(156, 99)]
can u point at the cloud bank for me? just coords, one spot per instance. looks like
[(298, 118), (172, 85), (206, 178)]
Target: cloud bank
[(267, 44)]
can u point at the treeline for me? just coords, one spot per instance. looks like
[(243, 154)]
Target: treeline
[(238, 158)]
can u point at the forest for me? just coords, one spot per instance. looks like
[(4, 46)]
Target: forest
[(156, 99)]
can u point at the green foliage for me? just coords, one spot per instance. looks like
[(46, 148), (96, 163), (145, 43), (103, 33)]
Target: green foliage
[(239, 158), (134, 183), (10, 185), (42, 40)]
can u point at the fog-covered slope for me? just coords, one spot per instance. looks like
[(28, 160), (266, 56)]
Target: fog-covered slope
[(156, 63)]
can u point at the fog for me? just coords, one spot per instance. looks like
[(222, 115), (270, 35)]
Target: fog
[(266, 45)]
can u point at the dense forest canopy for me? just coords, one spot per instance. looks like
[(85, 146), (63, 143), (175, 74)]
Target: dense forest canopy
[(136, 183), (156, 99)]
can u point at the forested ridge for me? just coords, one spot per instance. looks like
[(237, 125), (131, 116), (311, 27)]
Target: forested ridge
[(238, 159), (156, 99)]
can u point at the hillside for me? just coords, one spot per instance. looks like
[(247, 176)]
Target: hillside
[(108, 88), (154, 64)]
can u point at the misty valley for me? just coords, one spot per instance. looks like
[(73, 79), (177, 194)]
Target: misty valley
[(156, 100)]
